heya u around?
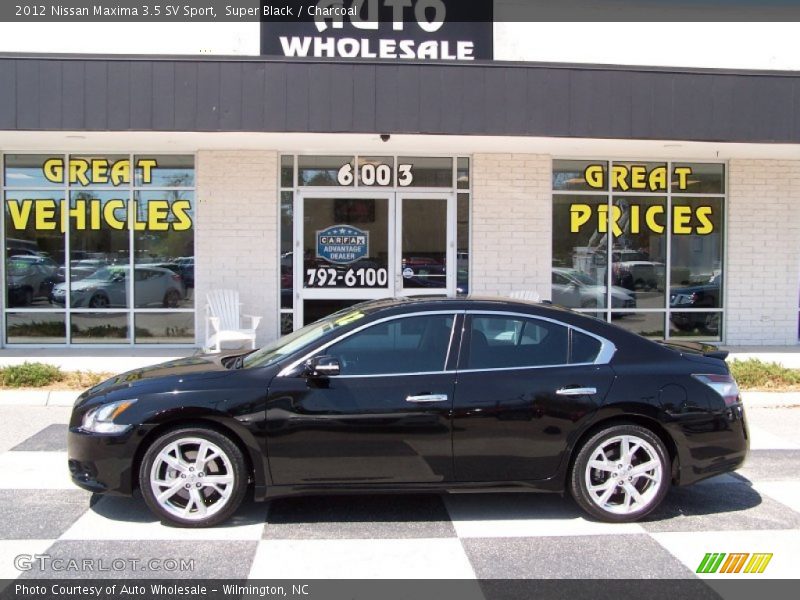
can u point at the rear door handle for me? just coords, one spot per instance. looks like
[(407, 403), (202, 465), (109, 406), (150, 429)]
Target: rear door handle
[(427, 398), (576, 391)]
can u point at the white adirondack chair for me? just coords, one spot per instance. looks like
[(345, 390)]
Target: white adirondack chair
[(525, 295), (225, 322)]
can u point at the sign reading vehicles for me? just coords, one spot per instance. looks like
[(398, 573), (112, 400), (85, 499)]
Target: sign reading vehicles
[(86, 212)]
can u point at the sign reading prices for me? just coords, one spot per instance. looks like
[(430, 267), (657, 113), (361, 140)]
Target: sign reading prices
[(380, 30)]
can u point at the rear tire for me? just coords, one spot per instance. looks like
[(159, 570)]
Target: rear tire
[(616, 485), (193, 477)]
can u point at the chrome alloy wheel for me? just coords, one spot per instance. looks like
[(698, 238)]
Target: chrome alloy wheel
[(623, 474), (192, 478)]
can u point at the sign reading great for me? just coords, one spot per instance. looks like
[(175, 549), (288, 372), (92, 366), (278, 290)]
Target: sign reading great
[(381, 30), (90, 210), (635, 216)]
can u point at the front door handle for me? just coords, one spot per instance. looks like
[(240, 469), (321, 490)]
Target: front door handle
[(576, 391), (427, 398)]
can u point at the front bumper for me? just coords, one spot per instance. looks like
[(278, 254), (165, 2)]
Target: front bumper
[(103, 463)]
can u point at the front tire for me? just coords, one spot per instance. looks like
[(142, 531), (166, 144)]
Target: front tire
[(193, 477), (99, 301), (621, 474)]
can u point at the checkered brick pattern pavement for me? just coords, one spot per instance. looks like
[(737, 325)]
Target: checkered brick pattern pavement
[(402, 536)]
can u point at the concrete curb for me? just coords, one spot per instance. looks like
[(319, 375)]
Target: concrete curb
[(68, 397), (770, 399), (38, 397)]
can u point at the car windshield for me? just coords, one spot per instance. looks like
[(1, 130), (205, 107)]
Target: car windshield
[(293, 342), (583, 278)]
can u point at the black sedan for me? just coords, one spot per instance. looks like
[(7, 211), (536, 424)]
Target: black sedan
[(417, 395)]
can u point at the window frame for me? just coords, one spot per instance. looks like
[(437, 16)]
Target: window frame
[(130, 312), (605, 313)]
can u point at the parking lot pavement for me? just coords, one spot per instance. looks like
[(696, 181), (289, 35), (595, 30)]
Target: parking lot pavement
[(412, 536)]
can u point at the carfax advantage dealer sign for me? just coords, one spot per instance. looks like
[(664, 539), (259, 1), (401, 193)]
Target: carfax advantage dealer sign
[(379, 29)]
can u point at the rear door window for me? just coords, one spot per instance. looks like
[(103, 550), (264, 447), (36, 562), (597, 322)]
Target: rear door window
[(505, 342)]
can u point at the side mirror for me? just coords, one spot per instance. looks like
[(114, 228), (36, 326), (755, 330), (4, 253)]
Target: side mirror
[(322, 366)]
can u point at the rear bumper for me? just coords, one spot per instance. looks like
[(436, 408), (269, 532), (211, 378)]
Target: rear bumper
[(712, 446)]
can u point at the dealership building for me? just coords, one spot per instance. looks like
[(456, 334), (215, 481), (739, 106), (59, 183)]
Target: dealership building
[(662, 198)]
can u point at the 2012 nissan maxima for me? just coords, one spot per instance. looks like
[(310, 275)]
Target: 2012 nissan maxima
[(416, 395)]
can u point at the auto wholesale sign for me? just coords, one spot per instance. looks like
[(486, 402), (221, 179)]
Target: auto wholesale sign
[(380, 30)]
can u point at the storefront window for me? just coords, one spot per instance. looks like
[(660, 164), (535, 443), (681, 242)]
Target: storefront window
[(662, 225), (377, 171), (462, 244), (326, 170), (158, 171), (28, 170), (34, 246), (162, 248), (425, 172), (580, 251), (68, 243), (639, 251)]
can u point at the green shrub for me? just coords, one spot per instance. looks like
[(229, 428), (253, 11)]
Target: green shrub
[(755, 374), (30, 375)]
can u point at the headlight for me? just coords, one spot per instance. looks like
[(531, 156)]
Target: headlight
[(101, 418)]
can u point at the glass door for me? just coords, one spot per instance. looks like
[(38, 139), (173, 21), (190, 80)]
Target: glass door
[(343, 251), (425, 258)]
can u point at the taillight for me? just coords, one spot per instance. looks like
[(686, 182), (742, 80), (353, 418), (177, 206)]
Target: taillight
[(176, 277), (724, 385)]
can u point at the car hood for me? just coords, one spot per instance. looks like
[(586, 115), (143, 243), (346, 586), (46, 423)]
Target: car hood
[(616, 292), (194, 368)]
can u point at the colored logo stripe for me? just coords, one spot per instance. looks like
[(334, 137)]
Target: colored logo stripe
[(710, 562), (758, 563), (734, 562), (713, 562)]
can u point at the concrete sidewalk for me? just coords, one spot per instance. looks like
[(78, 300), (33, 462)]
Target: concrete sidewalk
[(96, 360)]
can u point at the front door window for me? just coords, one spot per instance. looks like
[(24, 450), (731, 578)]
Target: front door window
[(405, 345)]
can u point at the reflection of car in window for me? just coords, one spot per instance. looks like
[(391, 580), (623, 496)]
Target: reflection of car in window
[(704, 295), (575, 289), (27, 280), (639, 275), (108, 287)]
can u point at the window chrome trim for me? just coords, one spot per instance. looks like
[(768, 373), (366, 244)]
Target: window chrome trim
[(286, 371), (604, 356)]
